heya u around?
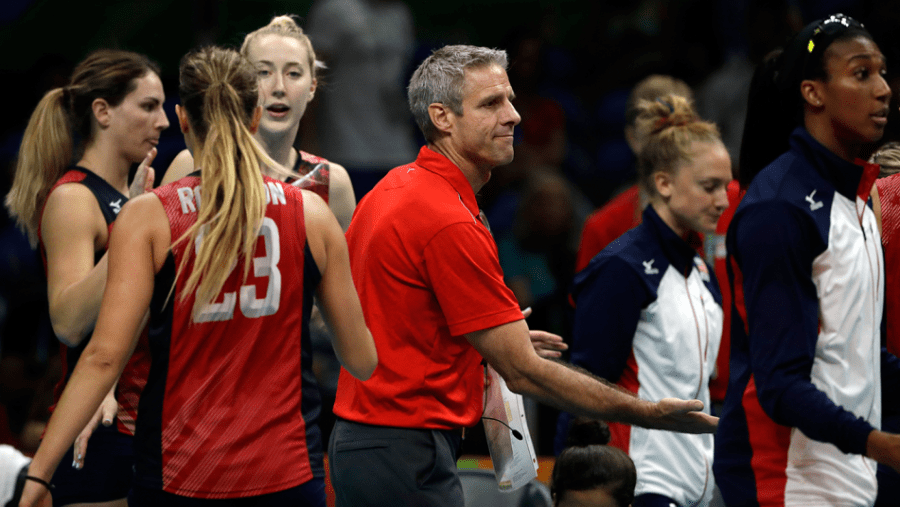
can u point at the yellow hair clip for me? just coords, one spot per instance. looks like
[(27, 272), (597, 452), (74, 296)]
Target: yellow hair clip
[(810, 46)]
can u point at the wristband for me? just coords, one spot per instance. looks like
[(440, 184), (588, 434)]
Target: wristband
[(39, 481)]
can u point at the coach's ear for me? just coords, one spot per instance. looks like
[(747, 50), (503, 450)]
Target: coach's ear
[(442, 117)]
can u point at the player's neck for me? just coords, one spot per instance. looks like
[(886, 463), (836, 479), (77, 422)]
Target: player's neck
[(279, 147), (107, 164)]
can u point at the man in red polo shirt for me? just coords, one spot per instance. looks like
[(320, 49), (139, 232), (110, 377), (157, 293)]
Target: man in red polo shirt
[(432, 291)]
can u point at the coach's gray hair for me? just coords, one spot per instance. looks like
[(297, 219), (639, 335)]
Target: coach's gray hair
[(440, 79)]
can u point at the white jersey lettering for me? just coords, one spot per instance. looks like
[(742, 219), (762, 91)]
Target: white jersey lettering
[(186, 198), (274, 193)]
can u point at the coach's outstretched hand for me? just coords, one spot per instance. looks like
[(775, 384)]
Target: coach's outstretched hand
[(684, 416)]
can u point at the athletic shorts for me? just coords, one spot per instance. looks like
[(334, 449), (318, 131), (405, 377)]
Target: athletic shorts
[(308, 494), (107, 472)]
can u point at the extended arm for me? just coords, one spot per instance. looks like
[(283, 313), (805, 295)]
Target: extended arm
[(462, 266), (137, 250), (338, 299), (72, 228), (508, 349), (341, 198)]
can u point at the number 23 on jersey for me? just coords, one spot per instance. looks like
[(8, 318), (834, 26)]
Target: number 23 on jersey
[(263, 267)]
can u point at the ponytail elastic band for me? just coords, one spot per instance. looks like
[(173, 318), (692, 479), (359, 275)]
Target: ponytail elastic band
[(219, 84), (663, 102), (40, 481), (666, 122)]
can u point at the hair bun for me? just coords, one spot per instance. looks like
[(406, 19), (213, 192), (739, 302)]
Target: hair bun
[(670, 121), (669, 111), (286, 22)]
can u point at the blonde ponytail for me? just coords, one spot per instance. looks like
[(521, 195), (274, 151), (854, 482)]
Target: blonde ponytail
[(47, 146), (44, 154), (219, 93)]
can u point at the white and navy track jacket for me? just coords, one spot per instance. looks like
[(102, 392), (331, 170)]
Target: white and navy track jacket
[(807, 273), (649, 317)]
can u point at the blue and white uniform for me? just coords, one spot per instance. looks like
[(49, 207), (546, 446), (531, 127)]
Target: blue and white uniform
[(649, 318), (807, 271)]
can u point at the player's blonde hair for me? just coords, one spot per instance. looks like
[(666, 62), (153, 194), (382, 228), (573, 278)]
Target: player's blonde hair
[(218, 89), (286, 26), (669, 127), (48, 144), (888, 157)]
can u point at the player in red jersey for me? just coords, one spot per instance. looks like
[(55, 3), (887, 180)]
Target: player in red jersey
[(114, 104), (218, 418), (886, 204), (286, 66)]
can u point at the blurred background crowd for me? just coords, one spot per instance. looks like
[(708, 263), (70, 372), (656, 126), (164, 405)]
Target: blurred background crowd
[(572, 66)]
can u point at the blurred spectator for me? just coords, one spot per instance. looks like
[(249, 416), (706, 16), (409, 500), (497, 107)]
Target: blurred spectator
[(722, 98), (537, 255), (624, 211), (541, 137), (543, 126), (361, 119)]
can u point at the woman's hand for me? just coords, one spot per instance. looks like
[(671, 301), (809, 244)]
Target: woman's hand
[(884, 448), (144, 177), (105, 413)]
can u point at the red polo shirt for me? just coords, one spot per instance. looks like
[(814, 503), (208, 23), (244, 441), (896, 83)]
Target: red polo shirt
[(427, 273)]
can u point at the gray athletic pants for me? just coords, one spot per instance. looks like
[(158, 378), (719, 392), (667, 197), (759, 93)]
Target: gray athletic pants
[(387, 466)]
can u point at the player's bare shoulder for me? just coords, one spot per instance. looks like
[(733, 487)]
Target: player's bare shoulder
[(181, 166)]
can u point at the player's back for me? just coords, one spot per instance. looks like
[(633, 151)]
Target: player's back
[(221, 411)]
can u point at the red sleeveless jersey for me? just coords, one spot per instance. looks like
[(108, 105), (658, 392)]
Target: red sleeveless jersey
[(316, 173), (221, 414), (889, 192)]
